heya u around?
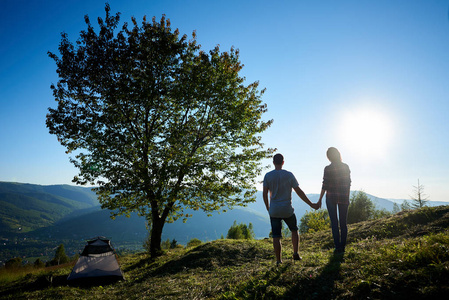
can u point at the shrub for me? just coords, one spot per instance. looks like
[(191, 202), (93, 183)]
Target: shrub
[(380, 213), (13, 263), (194, 242), (165, 244), (314, 221), (241, 232), (39, 263)]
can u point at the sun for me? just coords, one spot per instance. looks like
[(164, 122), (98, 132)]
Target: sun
[(366, 132)]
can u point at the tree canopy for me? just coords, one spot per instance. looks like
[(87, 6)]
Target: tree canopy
[(361, 208), (157, 124), (60, 257)]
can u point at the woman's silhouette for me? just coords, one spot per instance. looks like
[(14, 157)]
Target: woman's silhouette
[(336, 185)]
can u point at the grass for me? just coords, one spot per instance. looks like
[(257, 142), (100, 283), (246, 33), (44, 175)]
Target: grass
[(398, 257)]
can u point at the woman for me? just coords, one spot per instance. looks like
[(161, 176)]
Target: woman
[(336, 185)]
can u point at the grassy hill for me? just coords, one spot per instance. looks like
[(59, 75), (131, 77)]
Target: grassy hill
[(405, 256)]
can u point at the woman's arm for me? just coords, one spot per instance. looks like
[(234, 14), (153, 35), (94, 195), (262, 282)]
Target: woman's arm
[(321, 196)]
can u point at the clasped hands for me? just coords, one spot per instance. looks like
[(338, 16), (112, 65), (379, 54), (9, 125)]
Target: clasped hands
[(316, 206)]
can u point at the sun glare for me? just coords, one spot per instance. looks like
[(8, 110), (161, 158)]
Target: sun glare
[(366, 133)]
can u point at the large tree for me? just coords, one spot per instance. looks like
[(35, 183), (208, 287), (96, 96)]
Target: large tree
[(157, 124)]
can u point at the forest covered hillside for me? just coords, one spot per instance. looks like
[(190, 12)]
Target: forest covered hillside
[(27, 207)]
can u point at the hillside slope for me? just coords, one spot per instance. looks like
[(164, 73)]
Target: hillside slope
[(26, 207), (405, 256)]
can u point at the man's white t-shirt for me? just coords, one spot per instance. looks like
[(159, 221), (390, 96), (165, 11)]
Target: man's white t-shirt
[(280, 184)]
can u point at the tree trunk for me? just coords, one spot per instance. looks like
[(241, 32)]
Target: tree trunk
[(156, 238), (157, 224)]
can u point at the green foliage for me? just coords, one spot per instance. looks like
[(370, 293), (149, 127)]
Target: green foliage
[(361, 208), (194, 242), (380, 213), (165, 244), (157, 124), (241, 231), (13, 263), (173, 244), (403, 225), (27, 207), (396, 208), (60, 257), (406, 205), (314, 221), (38, 263)]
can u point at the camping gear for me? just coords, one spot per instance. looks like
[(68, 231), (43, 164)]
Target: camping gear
[(98, 260)]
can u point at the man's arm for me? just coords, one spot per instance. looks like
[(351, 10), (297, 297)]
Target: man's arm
[(304, 198), (265, 198)]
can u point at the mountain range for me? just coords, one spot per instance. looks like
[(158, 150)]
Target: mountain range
[(36, 216)]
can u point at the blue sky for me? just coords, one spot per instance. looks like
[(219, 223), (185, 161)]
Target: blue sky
[(368, 77)]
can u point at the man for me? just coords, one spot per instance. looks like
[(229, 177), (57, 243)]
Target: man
[(280, 184)]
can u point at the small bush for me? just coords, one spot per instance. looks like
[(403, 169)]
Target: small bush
[(194, 242), (39, 263), (241, 232), (166, 244), (380, 213), (314, 221), (13, 263)]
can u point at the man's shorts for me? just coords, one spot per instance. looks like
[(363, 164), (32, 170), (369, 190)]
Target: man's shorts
[(276, 225)]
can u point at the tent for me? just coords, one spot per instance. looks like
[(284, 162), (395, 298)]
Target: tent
[(98, 260)]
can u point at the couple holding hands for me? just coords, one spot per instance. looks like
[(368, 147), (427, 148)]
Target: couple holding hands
[(336, 185)]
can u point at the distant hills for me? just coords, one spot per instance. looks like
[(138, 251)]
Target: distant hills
[(27, 207), (33, 215)]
